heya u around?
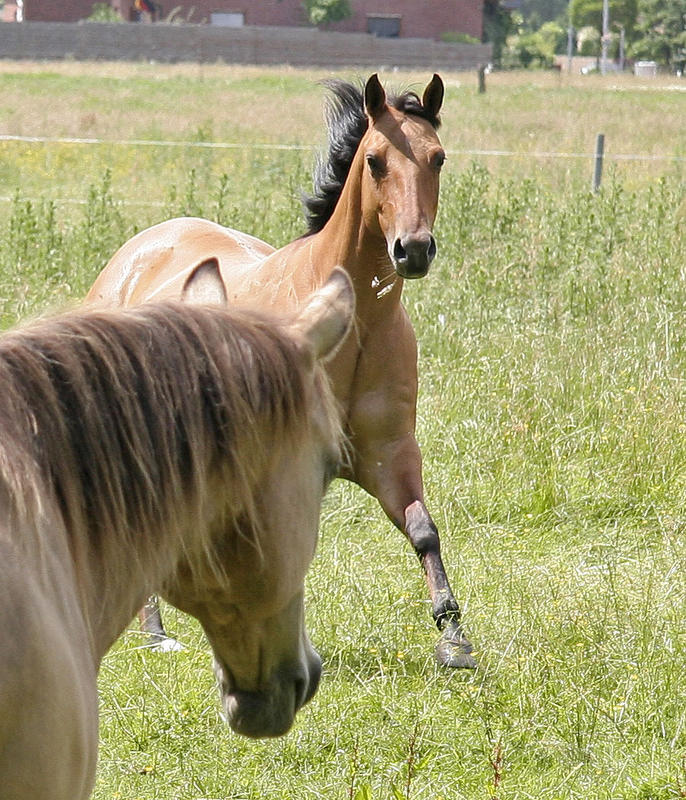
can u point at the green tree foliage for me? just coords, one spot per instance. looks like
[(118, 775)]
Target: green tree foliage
[(588, 41), (529, 48), (583, 13), (319, 12), (661, 32), (498, 24), (103, 12), (536, 12)]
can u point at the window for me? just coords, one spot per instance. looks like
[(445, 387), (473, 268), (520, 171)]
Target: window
[(229, 19), (387, 25)]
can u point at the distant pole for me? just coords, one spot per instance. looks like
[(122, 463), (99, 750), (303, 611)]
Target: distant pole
[(598, 161), (570, 48), (481, 72), (605, 40), (622, 43)]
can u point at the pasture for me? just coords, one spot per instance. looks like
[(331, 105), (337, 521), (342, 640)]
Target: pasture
[(552, 418)]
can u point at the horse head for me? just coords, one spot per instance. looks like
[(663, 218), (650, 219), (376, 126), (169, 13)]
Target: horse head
[(402, 163), (249, 597)]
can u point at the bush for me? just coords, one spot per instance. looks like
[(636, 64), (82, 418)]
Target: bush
[(555, 36), (456, 37), (588, 41), (103, 12), (529, 50)]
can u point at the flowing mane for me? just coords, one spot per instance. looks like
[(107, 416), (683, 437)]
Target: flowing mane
[(347, 123), (381, 233), (120, 419)]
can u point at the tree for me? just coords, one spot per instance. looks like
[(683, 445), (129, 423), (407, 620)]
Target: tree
[(583, 13), (319, 12), (498, 25), (536, 12), (661, 32), (529, 48)]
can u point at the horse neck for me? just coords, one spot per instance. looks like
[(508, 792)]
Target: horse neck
[(347, 240)]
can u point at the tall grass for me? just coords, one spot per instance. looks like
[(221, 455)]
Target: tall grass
[(552, 418)]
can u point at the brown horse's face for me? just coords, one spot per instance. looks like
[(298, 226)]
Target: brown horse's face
[(402, 163), (253, 614)]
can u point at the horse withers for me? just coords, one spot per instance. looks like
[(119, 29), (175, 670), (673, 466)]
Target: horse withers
[(181, 447), (373, 208)]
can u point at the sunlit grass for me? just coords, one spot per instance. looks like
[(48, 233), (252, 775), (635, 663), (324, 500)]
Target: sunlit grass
[(552, 418)]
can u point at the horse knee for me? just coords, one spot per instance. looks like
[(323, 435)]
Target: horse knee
[(421, 530)]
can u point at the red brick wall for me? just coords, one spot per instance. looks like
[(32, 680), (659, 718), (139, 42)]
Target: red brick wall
[(251, 45), (57, 10), (426, 19)]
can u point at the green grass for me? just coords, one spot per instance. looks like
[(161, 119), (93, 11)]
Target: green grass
[(552, 417)]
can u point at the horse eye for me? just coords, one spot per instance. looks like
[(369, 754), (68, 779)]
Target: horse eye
[(376, 165), (438, 160)]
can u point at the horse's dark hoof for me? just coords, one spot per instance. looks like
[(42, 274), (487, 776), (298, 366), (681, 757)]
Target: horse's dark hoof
[(164, 644), (454, 650)]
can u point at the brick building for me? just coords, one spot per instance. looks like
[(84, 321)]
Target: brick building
[(430, 19), (49, 10), (427, 20)]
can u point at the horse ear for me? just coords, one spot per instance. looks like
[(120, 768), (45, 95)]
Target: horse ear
[(374, 97), (328, 315), (432, 99), (204, 284)]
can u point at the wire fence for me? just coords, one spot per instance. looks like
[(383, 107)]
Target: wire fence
[(313, 148), (275, 147)]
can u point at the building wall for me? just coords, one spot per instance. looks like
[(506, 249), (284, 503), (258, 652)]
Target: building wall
[(57, 10), (249, 45), (427, 19)]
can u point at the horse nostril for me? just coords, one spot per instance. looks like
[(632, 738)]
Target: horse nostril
[(300, 692), (399, 252), (412, 254), (432, 249)]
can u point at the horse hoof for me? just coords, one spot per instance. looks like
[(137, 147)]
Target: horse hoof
[(454, 650), (166, 645)]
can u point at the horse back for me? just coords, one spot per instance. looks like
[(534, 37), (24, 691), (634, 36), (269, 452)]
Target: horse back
[(156, 263)]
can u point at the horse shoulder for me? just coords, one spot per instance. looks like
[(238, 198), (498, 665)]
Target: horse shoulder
[(48, 697), (383, 394), (281, 280)]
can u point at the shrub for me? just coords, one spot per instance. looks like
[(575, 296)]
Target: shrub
[(588, 41), (103, 12)]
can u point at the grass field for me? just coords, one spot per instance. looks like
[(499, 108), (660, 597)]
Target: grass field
[(552, 417)]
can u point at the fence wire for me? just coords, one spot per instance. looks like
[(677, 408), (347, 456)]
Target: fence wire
[(274, 147), (314, 148)]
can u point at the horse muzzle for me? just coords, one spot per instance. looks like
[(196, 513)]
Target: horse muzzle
[(270, 711), (412, 254)]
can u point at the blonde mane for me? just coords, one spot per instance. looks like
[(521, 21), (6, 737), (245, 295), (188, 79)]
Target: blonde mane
[(122, 423)]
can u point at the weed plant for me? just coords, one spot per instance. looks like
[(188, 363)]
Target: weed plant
[(552, 418)]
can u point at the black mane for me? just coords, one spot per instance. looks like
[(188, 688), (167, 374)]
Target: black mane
[(347, 123)]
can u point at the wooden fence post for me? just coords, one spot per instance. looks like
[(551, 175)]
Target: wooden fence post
[(598, 161)]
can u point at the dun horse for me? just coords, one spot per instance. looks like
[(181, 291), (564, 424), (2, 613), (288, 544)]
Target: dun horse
[(373, 209), (179, 447)]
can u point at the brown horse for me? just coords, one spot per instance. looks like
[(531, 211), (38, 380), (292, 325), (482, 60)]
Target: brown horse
[(372, 211), (185, 448)]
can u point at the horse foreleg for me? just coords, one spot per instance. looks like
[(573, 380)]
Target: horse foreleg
[(392, 472), (150, 620), (453, 648)]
